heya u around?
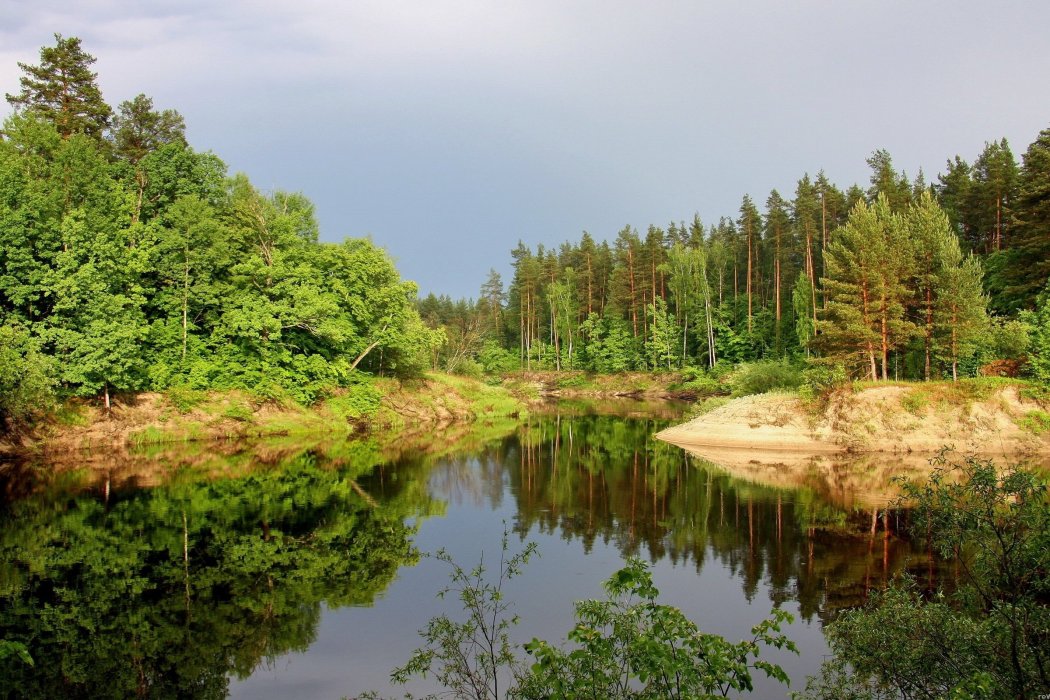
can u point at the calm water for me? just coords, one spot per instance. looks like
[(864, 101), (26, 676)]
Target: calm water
[(291, 570)]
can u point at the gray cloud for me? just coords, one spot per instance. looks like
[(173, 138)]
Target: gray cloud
[(449, 129)]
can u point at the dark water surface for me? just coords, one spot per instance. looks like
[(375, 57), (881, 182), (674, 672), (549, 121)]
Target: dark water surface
[(294, 570)]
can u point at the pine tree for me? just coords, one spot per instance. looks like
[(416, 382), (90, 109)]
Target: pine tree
[(777, 224), (961, 317), (992, 192), (139, 129), (885, 181), (1029, 258), (931, 234), (802, 300), (868, 263), (491, 301), (953, 193), (63, 90), (805, 218), (750, 225)]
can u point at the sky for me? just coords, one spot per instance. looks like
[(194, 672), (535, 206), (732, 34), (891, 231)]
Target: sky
[(448, 130)]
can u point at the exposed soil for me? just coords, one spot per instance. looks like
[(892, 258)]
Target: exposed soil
[(889, 419), (225, 419)]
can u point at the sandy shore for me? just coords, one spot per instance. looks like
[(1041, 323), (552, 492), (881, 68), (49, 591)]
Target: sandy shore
[(879, 419)]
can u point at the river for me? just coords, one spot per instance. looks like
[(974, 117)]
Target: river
[(300, 569)]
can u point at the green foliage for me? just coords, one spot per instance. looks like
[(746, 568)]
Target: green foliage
[(764, 376), (660, 345), (141, 265), (609, 348), (986, 640), (819, 379), (802, 295), (15, 649), (1036, 422), (360, 400), (627, 646), (26, 378), (172, 591), (697, 381), (1039, 348), (706, 405), (1010, 338), (239, 411), (184, 399), (915, 402), (63, 90), (496, 360), (631, 646), (473, 657)]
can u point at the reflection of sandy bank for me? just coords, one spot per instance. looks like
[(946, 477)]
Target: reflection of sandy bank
[(845, 480)]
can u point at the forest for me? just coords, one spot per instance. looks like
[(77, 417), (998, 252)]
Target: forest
[(130, 261), (902, 280)]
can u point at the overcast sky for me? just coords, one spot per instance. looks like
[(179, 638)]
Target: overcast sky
[(450, 130)]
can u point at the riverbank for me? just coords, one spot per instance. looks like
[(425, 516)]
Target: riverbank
[(975, 416), (547, 385), (376, 407)]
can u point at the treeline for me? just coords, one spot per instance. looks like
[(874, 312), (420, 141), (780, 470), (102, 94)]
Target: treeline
[(903, 279), (130, 261)]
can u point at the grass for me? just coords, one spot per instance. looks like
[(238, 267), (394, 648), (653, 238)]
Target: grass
[(706, 405), (150, 435), (944, 393), (482, 399), (1036, 422), (239, 411), (71, 413), (185, 400)]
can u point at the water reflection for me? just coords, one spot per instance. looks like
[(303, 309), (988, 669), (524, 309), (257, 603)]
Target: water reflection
[(234, 553), (166, 592), (825, 543)]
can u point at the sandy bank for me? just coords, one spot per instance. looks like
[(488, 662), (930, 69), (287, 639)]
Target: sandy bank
[(887, 419)]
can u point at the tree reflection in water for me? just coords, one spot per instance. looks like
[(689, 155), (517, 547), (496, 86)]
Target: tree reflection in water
[(229, 559), (603, 478)]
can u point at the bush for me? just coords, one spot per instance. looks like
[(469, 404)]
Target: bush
[(697, 381), (184, 399), (705, 406), (819, 380), (986, 640), (764, 376), (360, 400), (26, 378), (468, 368), (628, 646), (497, 360)]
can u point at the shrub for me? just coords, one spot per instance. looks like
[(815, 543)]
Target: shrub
[(468, 368), (631, 646), (1036, 422), (705, 406), (764, 376), (362, 399), (239, 411), (26, 378), (989, 638), (627, 646), (185, 399), (497, 360), (698, 381)]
